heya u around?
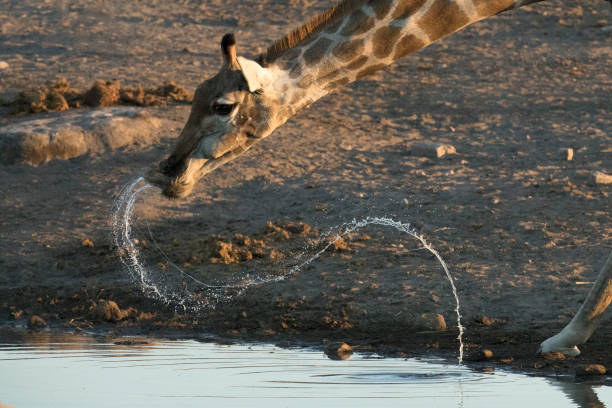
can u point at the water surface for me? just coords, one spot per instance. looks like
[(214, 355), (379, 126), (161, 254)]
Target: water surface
[(63, 370)]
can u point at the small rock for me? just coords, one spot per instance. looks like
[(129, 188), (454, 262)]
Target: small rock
[(36, 322), (4, 65), (87, 243), (432, 150), (554, 356), (321, 207), (566, 153), (599, 177), (431, 321), (340, 245), (479, 355), (102, 93), (590, 370), (338, 351), (488, 354), (109, 311), (486, 321)]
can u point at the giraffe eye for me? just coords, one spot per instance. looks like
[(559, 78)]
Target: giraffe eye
[(223, 109)]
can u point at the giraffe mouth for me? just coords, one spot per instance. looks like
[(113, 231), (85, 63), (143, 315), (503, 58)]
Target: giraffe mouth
[(178, 179)]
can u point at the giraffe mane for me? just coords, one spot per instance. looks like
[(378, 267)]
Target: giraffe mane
[(310, 28)]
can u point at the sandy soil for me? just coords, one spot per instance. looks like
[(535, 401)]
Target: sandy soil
[(523, 230)]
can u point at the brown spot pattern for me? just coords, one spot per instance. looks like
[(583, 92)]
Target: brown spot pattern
[(405, 8), (334, 26), (409, 43), (442, 18), (306, 81), (486, 8), (370, 70), (316, 52), (348, 50), (380, 7), (337, 83), (326, 78), (358, 63), (384, 40), (358, 23), (325, 68), (295, 71)]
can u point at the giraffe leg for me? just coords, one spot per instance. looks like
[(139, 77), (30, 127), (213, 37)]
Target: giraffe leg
[(587, 319)]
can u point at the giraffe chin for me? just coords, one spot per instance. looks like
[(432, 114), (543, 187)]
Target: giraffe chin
[(178, 185)]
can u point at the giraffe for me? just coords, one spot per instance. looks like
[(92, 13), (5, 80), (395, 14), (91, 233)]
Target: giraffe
[(249, 98)]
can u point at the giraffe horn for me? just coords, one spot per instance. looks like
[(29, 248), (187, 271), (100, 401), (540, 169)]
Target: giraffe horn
[(228, 49)]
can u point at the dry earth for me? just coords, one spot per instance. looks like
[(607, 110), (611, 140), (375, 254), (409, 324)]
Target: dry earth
[(524, 230)]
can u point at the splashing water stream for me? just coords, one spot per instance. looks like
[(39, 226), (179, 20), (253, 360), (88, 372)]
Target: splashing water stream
[(208, 294)]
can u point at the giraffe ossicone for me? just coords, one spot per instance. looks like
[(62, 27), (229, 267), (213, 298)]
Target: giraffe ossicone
[(248, 99)]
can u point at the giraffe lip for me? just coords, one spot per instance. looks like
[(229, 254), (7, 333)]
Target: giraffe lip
[(179, 185)]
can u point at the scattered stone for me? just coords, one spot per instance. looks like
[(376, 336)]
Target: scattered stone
[(109, 311), (87, 243), (566, 153), (479, 355), (340, 245), (102, 94), (431, 321), (590, 370), (432, 150), (338, 351), (554, 356), (321, 207), (36, 322), (227, 253), (485, 321), (4, 65), (599, 177), (130, 342)]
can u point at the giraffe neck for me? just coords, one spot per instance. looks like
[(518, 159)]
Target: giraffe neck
[(368, 36)]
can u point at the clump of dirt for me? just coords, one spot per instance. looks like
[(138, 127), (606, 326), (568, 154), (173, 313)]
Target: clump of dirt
[(265, 244), (56, 97), (284, 230), (59, 96), (243, 248), (108, 311), (102, 94)]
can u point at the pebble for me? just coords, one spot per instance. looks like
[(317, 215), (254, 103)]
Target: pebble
[(555, 356), (590, 370), (599, 177), (36, 322), (479, 355), (109, 311), (87, 243), (338, 351), (432, 150), (566, 153), (432, 321), (4, 65)]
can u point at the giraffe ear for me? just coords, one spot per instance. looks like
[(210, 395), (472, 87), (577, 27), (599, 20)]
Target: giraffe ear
[(257, 77)]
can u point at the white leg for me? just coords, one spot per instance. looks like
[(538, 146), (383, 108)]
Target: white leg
[(587, 319)]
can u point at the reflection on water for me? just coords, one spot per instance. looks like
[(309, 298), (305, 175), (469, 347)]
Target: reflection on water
[(50, 369)]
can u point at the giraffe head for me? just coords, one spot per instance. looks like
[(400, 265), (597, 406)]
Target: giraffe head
[(230, 112)]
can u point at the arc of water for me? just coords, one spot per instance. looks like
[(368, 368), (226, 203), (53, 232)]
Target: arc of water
[(123, 208)]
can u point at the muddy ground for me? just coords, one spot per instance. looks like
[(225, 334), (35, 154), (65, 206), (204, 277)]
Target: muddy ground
[(523, 230)]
